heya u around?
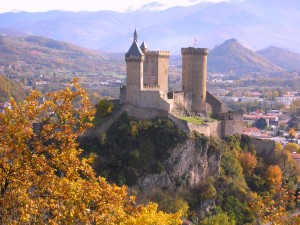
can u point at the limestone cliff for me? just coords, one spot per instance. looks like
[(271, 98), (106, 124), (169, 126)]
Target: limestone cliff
[(189, 164)]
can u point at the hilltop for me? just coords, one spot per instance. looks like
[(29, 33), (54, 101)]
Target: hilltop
[(233, 57), (282, 57)]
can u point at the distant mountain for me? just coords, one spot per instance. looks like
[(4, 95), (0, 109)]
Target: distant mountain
[(9, 88), (233, 57), (28, 52), (255, 23), (282, 57)]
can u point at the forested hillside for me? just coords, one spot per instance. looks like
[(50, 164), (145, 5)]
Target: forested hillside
[(9, 88), (33, 54)]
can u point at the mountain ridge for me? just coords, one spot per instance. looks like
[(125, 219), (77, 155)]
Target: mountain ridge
[(251, 22), (232, 57), (282, 57), (48, 54)]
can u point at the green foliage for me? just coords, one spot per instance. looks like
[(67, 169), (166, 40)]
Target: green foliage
[(218, 219), (193, 119), (234, 142), (261, 123), (104, 107), (235, 209), (207, 192), (135, 147), (169, 203), (230, 166)]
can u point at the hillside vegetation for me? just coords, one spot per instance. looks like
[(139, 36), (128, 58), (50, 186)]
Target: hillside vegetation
[(33, 54), (9, 88)]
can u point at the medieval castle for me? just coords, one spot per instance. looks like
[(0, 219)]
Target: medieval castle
[(146, 94)]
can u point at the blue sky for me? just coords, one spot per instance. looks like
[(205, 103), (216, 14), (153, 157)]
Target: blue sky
[(92, 5)]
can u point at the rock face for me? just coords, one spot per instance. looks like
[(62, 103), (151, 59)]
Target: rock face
[(189, 164)]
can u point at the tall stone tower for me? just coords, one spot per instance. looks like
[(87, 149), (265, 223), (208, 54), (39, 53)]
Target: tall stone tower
[(194, 72), (134, 59), (156, 68)]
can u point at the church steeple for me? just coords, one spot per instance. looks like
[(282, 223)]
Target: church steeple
[(135, 36)]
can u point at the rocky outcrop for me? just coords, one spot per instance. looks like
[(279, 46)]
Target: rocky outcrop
[(189, 164)]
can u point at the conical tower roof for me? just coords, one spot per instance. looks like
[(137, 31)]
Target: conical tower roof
[(134, 50), (143, 46)]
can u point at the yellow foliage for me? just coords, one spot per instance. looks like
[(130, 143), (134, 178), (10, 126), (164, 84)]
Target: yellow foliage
[(43, 178), (291, 147), (248, 161), (273, 177)]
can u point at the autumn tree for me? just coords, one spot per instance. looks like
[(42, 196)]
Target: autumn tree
[(44, 179), (292, 133), (291, 147), (248, 161), (104, 107), (272, 207), (273, 177)]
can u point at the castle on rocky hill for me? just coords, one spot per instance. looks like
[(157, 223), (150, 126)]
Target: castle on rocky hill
[(146, 94)]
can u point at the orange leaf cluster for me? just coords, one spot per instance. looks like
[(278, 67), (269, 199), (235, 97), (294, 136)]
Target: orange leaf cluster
[(43, 177)]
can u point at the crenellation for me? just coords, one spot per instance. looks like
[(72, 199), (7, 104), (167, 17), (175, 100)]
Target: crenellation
[(158, 53), (156, 87), (194, 51)]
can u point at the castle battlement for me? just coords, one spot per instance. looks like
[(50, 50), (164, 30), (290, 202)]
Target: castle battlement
[(134, 58), (151, 87), (158, 53), (194, 51)]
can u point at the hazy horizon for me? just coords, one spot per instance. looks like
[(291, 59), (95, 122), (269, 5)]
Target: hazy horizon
[(94, 5)]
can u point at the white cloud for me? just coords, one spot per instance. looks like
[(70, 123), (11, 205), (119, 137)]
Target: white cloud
[(90, 5)]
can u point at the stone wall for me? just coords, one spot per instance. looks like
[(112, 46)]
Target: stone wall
[(232, 123), (262, 147), (142, 113), (216, 106), (154, 99), (209, 129)]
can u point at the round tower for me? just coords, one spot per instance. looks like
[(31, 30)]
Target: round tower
[(134, 60), (194, 73)]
